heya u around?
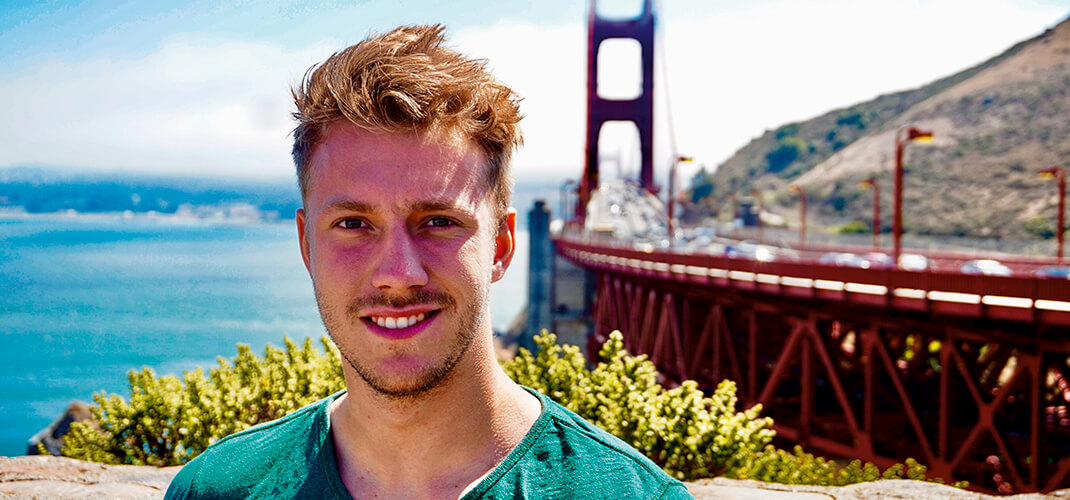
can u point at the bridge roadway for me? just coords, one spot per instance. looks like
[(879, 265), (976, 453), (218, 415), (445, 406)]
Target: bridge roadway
[(969, 374), (938, 290)]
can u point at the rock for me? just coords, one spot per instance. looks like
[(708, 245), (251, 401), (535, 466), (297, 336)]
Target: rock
[(735, 489), (52, 436), (61, 477)]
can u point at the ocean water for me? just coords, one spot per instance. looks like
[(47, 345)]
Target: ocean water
[(84, 299)]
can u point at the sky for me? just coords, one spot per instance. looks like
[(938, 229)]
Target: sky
[(203, 87)]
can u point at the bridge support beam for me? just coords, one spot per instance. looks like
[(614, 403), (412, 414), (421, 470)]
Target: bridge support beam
[(540, 274), (973, 401)]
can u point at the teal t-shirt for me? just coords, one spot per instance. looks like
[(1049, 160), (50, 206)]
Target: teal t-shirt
[(562, 456)]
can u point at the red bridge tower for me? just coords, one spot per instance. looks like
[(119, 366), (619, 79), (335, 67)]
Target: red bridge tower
[(639, 110)]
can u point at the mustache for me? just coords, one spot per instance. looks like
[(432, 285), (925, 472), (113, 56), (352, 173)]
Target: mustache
[(418, 297)]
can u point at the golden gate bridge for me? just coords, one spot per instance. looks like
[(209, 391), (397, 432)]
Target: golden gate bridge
[(967, 373)]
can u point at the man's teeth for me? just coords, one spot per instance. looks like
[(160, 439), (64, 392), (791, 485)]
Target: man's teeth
[(392, 322)]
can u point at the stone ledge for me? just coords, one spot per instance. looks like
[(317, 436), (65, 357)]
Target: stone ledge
[(735, 489), (60, 477)]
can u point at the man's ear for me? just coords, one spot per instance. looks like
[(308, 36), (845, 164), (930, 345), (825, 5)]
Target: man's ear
[(303, 240), (504, 245)]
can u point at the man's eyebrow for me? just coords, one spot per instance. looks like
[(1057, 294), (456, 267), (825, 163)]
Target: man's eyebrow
[(436, 206), (422, 206), (349, 206)]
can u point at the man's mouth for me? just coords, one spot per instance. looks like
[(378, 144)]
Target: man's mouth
[(397, 323)]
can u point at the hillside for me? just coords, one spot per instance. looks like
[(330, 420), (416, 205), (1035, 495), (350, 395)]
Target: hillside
[(995, 125)]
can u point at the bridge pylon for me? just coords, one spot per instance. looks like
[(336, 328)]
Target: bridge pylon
[(639, 110)]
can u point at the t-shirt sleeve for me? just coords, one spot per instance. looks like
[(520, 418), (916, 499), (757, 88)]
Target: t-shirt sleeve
[(180, 486), (676, 491)]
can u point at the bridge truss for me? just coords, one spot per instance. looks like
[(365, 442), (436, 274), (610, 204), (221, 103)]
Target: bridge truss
[(877, 365)]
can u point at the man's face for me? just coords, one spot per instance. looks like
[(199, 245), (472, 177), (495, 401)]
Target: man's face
[(400, 238)]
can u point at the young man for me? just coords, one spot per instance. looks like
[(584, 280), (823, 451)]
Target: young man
[(402, 151)]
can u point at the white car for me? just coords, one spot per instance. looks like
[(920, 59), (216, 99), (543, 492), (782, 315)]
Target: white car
[(913, 262), (751, 250), (878, 260), (844, 259), (985, 266)]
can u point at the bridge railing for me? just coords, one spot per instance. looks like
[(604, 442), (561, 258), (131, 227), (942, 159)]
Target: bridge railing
[(967, 373), (1044, 301)]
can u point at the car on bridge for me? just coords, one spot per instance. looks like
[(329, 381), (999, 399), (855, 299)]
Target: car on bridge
[(907, 261), (913, 262), (844, 259), (989, 267), (1057, 272), (749, 249), (649, 245), (878, 260)]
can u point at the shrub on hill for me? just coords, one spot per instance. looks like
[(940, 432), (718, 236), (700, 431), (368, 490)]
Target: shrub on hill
[(168, 421), (854, 227)]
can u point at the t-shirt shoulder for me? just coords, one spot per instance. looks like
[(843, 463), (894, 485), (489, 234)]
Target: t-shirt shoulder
[(569, 419), (246, 458), (565, 456)]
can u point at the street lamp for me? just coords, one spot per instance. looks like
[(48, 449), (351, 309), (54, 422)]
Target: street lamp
[(802, 213), (758, 198), (902, 137), (872, 183), (1058, 174), (672, 192)]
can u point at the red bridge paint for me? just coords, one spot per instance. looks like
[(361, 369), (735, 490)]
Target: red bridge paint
[(966, 373), (969, 374)]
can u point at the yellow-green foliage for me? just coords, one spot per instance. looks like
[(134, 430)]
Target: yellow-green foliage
[(169, 422), (688, 434), (798, 467)]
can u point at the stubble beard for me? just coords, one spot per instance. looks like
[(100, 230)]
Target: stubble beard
[(418, 384)]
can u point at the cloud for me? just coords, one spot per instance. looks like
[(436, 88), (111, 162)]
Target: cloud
[(204, 104), (735, 75), (547, 68), (193, 105)]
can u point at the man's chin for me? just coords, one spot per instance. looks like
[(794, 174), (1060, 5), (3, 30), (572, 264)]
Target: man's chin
[(407, 377)]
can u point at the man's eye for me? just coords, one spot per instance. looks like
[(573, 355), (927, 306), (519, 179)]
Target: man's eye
[(352, 224), (440, 222)]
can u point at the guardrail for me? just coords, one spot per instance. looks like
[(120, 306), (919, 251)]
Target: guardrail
[(1004, 298)]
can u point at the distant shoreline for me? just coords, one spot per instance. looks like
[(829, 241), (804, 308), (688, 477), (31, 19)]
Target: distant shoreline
[(178, 216)]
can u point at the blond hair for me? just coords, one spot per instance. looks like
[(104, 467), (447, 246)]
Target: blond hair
[(406, 81)]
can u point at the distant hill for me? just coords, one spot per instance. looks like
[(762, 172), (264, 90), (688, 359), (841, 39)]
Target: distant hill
[(995, 125), (52, 189)]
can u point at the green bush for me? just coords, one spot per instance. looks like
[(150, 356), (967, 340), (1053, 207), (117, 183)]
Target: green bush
[(855, 227), (789, 130), (168, 421), (787, 151), (689, 435), (686, 433), (798, 467), (855, 117), (1040, 227)]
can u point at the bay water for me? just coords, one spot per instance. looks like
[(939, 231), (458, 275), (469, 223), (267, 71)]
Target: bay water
[(86, 298)]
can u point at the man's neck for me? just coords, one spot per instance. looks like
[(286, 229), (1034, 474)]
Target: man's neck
[(436, 445)]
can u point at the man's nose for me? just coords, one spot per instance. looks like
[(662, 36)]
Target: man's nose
[(400, 265)]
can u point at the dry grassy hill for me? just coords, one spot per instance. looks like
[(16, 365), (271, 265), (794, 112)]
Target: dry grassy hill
[(995, 125)]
